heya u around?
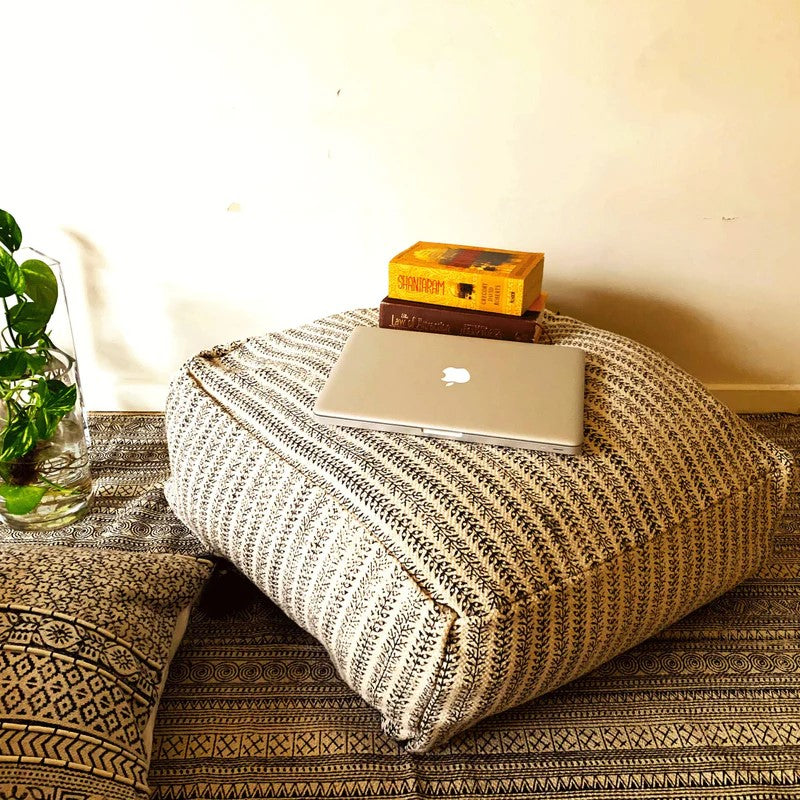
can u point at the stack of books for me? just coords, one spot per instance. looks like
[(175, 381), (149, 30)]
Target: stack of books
[(465, 291)]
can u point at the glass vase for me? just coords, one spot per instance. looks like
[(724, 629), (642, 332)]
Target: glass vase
[(45, 480)]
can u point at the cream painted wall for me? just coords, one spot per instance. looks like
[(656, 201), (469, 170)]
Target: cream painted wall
[(210, 170)]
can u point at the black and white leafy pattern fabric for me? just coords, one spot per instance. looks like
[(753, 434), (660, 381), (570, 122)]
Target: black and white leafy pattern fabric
[(451, 580)]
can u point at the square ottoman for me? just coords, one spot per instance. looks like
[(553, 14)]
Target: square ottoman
[(449, 580)]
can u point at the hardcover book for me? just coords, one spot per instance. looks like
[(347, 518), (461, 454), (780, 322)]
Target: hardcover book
[(412, 316), (481, 279)]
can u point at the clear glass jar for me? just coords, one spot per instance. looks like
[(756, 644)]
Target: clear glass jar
[(45, 478)]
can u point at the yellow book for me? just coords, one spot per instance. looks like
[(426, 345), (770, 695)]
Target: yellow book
[(480, 278)]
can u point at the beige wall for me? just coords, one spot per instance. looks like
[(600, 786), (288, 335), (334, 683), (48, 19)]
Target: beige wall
[(209, 170)]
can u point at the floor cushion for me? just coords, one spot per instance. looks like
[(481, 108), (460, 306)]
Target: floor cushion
[(86, 638), (447, 580)]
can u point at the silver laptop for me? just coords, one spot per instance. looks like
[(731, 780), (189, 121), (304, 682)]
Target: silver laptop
[(456, 387)]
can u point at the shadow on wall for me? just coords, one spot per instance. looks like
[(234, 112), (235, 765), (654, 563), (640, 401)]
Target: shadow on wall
[(198, 324), (695, 343), (113, 353), (180, 327)]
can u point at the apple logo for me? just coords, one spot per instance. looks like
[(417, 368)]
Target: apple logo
[(455, 375)]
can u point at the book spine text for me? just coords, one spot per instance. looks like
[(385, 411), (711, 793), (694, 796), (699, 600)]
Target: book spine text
[(452, 321)]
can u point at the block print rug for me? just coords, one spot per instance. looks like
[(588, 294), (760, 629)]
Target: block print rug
[(710, 708)]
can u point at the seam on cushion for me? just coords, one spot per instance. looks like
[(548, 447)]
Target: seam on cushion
[(443, 671), (764, 481), (775, 473)]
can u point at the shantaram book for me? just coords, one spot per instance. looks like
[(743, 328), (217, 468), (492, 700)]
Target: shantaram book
[(412, 316), (481, 279)]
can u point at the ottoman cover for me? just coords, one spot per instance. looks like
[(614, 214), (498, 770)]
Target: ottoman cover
[(449, 580)]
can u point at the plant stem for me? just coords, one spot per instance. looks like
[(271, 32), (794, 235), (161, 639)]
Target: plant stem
[(55, 485), (8, 321)]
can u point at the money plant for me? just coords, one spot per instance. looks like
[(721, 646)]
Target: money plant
[(34, 401)]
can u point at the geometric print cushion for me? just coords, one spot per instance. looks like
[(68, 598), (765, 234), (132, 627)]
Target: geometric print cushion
[(86, 637), (448, 580)]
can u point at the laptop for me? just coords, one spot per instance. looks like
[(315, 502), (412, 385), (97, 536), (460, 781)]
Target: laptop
[(459, 388)]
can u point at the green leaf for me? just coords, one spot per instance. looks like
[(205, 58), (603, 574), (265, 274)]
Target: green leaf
[(30, 318), (20, 438), (46, 423), (29, 340), (54, 400), (36, 362), (11, 278), (60, 397), (10, 234), (13, 364), (40, 284), (21, 499)]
